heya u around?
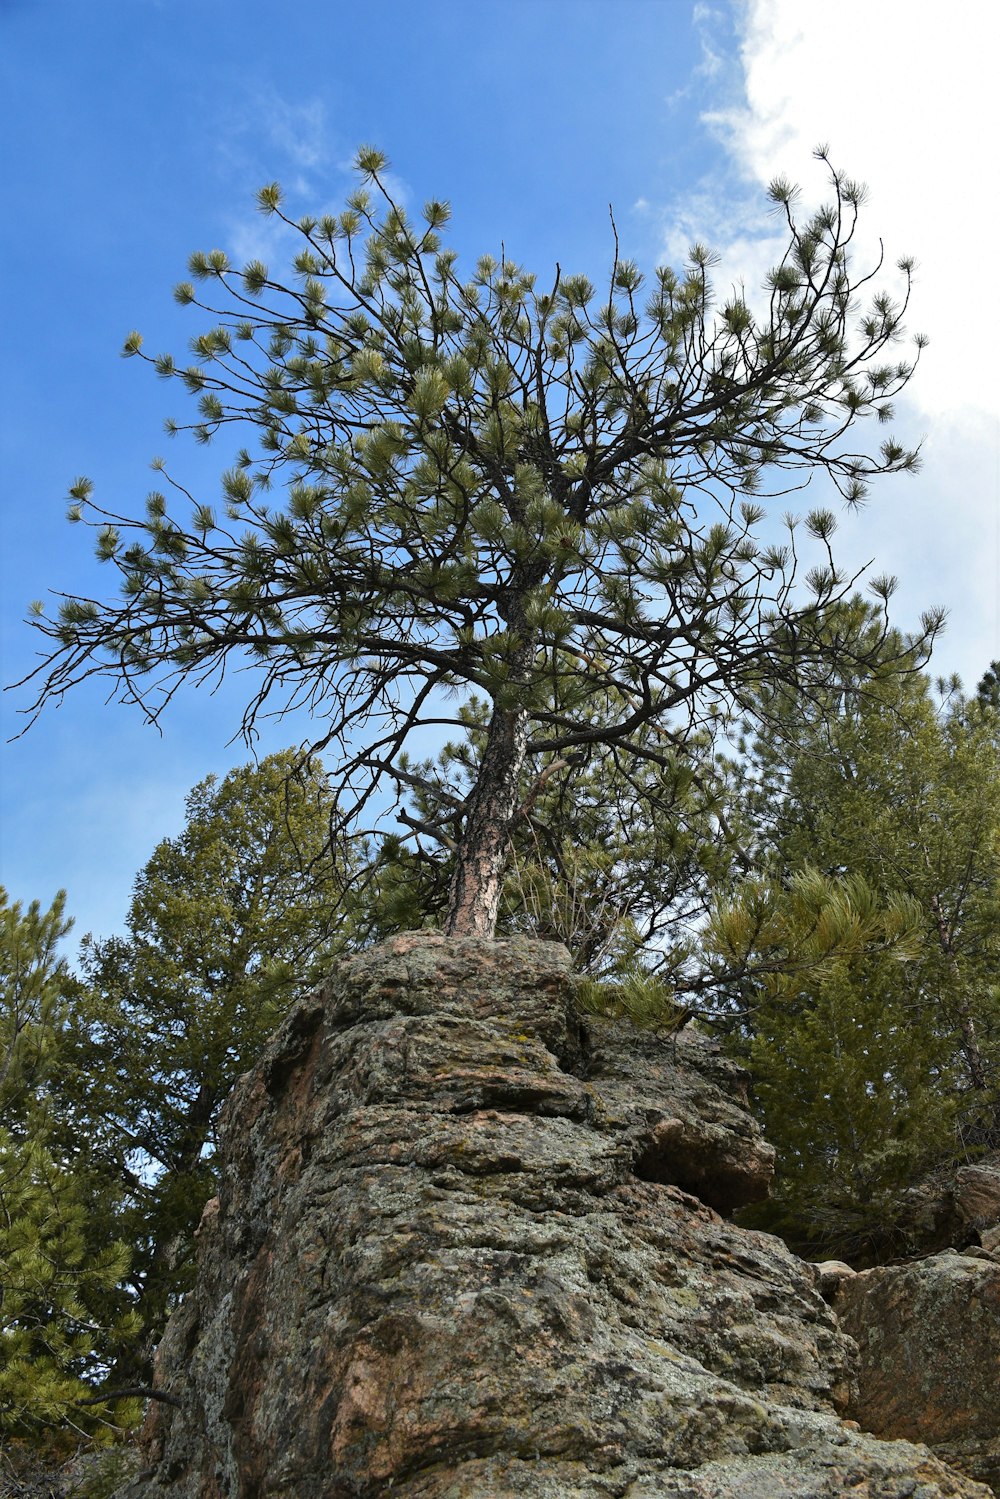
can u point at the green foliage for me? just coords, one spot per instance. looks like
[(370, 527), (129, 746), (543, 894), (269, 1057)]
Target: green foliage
[(105, 1473), (36, 990), (229, 923), (110, 1087), (909, 796), (771, 937), (638, 996), (53, 1284), (58, 1313), (876, 1045), (988, 689), (851, 1092), (843, 1079), (481, 487)]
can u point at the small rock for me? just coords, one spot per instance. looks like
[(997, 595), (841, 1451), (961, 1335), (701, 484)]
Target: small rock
[(951, 1207), (990, 1240), (832, 1274)]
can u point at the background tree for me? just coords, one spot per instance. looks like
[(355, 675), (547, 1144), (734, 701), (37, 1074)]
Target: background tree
[(847, 1079), (988, 689), (875, 1069), (229, 923), (61, 1310), (533, 496)]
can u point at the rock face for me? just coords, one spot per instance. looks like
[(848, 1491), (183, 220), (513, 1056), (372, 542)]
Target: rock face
[(929, 1341), (952, 1208), (468, 1248)]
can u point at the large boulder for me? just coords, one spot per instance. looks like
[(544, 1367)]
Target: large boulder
[(928, 1335), (468, 1247)]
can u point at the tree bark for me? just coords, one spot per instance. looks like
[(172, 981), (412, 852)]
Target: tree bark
[(969, 1045), (477, 883)]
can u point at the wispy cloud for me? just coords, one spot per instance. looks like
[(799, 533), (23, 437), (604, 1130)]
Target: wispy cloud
[(298, 131), (725, 210), (713, 27), (710, 22), (266, 131), (295, 143), (269, 137), (911, 109)]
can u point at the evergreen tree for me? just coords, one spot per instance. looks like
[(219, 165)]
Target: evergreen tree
[(874, 1069), (847, 1079), (60, 1310), (988, 690), (229, 923), (532, 496)]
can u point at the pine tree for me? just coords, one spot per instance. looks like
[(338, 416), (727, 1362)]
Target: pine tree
[(488, 488), (875, 1068), (230, 922), (60, 1310), (988, 689)]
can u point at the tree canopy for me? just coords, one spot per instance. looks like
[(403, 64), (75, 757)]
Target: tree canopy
[(547, 497), (111, 1082)]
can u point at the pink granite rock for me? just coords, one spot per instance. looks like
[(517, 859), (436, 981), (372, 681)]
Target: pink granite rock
[(928, 1334)]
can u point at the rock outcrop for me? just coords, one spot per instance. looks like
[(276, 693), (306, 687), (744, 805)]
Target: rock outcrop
[(928, 1335), (467, 1247), (952, 1208)]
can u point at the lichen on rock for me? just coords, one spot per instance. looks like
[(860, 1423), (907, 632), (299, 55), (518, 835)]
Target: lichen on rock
[(468, 1244)]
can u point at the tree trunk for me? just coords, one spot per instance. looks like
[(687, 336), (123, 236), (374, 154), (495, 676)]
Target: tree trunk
[(482, 854), (969, 1045)]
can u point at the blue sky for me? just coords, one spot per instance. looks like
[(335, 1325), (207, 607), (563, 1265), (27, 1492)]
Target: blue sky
[(139, 130)]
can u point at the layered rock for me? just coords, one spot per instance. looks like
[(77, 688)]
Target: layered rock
[(928, 1334), (466, 1246)]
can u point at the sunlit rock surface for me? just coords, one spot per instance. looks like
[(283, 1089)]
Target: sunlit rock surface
[(468, 1246)]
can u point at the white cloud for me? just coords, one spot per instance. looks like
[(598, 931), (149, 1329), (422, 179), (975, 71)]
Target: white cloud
[(298, 130), (904, 96), (713, 27)]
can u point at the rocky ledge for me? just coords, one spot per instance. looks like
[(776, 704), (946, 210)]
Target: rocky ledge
[(468, 1245)]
